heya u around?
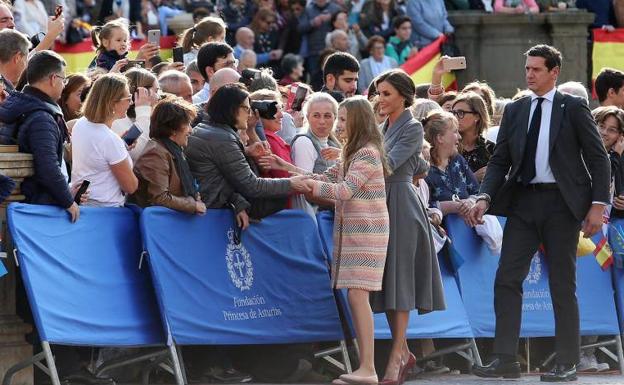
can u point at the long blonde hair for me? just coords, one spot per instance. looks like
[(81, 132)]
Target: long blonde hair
[(362, 131), (435, 124)]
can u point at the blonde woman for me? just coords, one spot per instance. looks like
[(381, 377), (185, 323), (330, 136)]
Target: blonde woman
[(361, 225), (99, 155)]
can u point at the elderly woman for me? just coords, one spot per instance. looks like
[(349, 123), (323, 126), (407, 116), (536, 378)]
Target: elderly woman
[(317, 148), (377, 63), (165, 178), (98, 154)]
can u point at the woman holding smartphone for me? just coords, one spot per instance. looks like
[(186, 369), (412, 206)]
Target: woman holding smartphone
[(356, 184)]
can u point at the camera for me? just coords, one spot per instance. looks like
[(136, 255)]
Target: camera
[(248, 75), (266, 108)]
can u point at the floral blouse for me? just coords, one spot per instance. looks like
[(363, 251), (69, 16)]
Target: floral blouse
[(456, 179)]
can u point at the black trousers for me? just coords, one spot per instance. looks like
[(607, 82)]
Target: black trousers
[(538, 217)]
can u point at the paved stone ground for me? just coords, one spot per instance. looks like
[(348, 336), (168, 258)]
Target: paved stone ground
[(463, 379)]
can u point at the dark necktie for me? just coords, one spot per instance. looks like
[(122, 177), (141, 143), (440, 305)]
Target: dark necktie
[(530, 149)]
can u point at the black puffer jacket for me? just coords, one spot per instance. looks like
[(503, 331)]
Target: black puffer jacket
[(218, 163), (42, 133)]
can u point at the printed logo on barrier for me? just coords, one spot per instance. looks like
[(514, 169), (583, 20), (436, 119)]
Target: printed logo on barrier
[(535, 271), (239, 263)]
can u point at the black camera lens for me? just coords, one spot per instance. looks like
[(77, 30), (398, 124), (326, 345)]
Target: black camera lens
[(266, 108)]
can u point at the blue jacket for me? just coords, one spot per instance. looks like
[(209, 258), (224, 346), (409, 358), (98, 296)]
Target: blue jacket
[(429, 20), (42, 133)]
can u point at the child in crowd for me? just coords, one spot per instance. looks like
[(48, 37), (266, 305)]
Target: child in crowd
[(111, 43), (207, 30)]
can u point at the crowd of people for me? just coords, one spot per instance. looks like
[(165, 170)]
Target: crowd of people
[(215, 132)]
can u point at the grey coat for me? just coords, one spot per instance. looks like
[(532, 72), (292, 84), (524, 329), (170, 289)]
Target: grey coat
[(367, 75), (316, 35), (412, 275), (217, 160)]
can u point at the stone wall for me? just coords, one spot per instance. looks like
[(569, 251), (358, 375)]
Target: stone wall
[(494, 45)]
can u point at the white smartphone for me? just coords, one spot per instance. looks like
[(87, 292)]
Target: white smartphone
[(153, 36), (454, 63)]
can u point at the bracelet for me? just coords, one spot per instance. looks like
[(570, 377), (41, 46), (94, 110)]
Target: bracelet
[(435, 90)]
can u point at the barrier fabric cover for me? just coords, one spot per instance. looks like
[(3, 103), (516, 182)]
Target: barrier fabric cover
[(476, 277), (450, 323), (618, 279), (82, 278), (273, 287)]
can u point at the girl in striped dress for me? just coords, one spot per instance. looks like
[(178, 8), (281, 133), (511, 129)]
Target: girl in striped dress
[(361, 226)]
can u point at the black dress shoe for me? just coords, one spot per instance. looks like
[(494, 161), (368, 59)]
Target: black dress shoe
[(560, 373), (498, 368)]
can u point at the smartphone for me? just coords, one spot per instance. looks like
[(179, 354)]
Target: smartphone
[(81, 190), (58, 11), (178, 55), (454, 63), (132, 135), (299, 98), (153, 36), (134, 64)]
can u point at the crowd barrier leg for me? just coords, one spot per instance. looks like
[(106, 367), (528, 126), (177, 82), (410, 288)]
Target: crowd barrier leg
[(178, 371), (467, 350), (602, 346), (8, 376), (130, 360), (51, 364)]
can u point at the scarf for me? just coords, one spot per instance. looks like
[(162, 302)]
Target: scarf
[(182, 167)]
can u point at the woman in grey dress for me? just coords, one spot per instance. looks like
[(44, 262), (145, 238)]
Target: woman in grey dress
[(412, 275)]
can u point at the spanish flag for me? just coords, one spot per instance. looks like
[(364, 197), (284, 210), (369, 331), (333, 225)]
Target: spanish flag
[(420, 66), (608, 52), (603, 253), (78, 56)]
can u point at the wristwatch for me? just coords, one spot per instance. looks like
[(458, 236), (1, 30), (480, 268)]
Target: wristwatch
[(484, 197)]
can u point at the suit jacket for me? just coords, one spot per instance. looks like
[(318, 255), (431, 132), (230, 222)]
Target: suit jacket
[(577, 158)]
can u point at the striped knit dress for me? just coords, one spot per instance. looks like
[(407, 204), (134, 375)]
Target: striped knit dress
[(361, 224)]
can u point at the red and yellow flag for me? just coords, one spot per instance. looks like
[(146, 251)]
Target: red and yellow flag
[(78, 56), (603, 253), (608, 52), (420, 66)]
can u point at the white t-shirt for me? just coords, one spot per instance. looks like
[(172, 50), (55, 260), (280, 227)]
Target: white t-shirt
[(95, 148), (304, 154)]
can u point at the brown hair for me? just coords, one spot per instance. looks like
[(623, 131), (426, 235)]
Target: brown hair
[(401, 82), (485, 91), (74, 81), (207, 29), (261, 14), (105, 32), (104, 93), (601, 114), (436, 124), (138, 77), (476, 104), (362, 131), (374, 40), (169, 115)]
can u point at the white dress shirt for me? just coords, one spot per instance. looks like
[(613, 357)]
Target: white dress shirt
[(543, 173)]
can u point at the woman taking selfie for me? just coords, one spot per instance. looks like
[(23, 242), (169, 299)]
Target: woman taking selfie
[(361, 223)]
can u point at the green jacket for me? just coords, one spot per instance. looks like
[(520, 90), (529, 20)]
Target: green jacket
[(398, 50)]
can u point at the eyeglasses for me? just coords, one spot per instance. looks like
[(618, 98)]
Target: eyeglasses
[(461, 113), (246, 108), (63, 78)]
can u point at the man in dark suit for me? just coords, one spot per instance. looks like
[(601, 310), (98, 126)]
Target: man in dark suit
[(548, 174)]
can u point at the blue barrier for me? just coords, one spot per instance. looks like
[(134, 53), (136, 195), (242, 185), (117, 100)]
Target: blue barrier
[(450, 323), (3, 270), (83, 282), (82, 279), (273, 287), (476, 278), (618, 283)]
